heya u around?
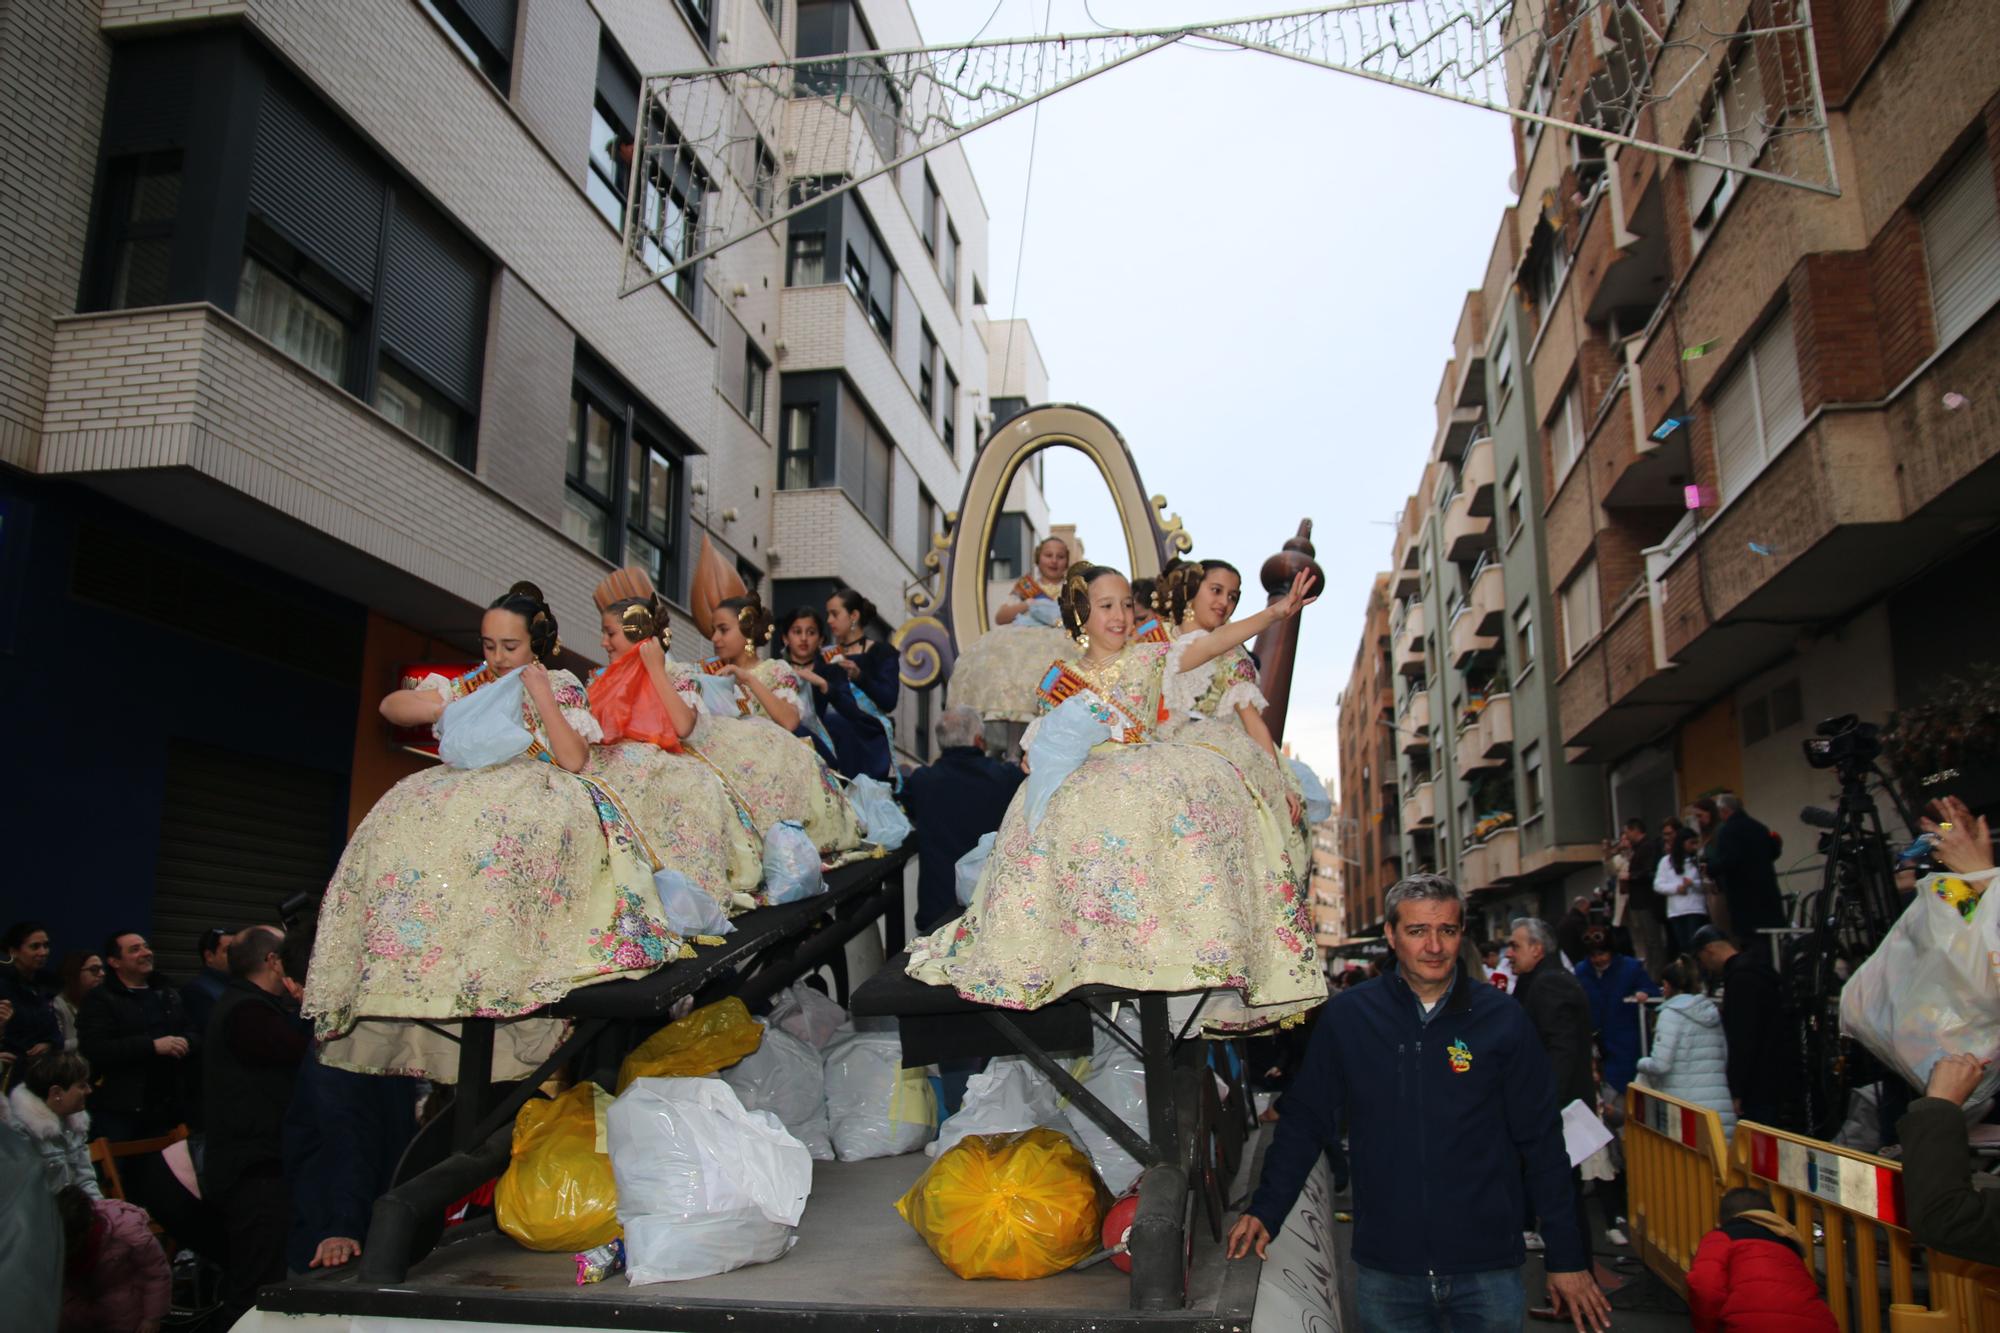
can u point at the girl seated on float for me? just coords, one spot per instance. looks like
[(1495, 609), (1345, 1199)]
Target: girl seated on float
[(1149, 866), (800, 644), (863, 735), (491, 885), (996, 673), (750, 708), (681, 804)]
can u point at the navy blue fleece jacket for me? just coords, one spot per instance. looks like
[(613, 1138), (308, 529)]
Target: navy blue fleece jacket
[(1446, 1118)]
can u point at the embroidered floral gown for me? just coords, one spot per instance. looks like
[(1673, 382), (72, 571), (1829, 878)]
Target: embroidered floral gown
[(996, 674), (484, 892), (778, 775), (1202, 705), (1153, 868), (686, 811)]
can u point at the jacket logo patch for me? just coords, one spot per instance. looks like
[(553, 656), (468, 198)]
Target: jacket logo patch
[(1460, 1056)]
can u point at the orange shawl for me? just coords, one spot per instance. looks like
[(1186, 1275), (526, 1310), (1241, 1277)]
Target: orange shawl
[(628, 708)]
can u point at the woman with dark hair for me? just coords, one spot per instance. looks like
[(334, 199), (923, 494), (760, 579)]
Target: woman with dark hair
[(34, 1028), (799, 642), (690, 819), (77, 977), (996, 672), (492, 885), (863, 737), (1679, 880), (1145, 865), (749, 707)]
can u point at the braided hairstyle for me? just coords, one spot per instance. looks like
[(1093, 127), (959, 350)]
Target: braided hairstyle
[(1175, 588), (643, 618), (1075, 598), (525, 600), (751, 618)]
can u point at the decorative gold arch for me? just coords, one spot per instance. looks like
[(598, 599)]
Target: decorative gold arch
[(942, 626)]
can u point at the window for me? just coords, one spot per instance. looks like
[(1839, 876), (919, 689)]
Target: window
[(1503, 364), (805, 265), (834, 28), (1540, 92), (869, 274), (1961, 224), (1008, 550), (1733, 133), (1582, 614), (978, 292), (764, 181), (700, 14), (1513, 494), (948, 431), (774, 10), (144, 203), (308, 330), (1524, 635), (1566, 432), (1533, 781), (878, 461), (927, 352), (795, 459), (756, 379), (948, 263), (671, 207), (482, 30), (419, 409), (927, 216), (1546, 270), (593, 452), (927, 525), (1757, 409), (608, 182), (649, 508)]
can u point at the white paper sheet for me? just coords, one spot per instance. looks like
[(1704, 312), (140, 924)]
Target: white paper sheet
[(1583, 1132)]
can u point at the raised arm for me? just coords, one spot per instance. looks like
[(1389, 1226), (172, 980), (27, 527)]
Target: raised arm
[(1239, 632), (678, 712), (776, 707), (413, 708)]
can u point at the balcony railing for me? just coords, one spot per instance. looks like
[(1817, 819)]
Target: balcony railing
[(1466, 640), (1491, 863), (1476, 476), (1420, 806), (1466, 534), (1414, 730), (1488, 596)]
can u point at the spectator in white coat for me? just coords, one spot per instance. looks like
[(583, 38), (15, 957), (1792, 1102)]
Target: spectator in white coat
[(1690, 1057), (1679, 882), (47, 1106)]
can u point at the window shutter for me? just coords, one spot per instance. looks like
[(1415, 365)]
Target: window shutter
[(433, 312), (315, 192), (1738, 454), (617, 85), (1780, 407), (1961, 224), (495, 21)]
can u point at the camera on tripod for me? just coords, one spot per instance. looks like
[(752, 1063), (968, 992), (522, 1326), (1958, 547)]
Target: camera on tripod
[(1845, 743)]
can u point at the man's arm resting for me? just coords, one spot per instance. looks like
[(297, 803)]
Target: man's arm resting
[(1946, 1212)]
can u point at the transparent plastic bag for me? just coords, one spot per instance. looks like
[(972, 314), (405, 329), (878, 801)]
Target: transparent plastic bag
[(808, 1014), (877, 1108), (786, 1077), (966, 872), (484, 728), (875, 802), (558, 1192), (791, 863), (1042, 612), (1116, 1077), (712, 1037), (1930, 989), (1010, 1096), (1017, 1206), (687, 910), (704, 1186)]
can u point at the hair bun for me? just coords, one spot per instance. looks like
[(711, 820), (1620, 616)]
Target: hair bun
[(523, 588)]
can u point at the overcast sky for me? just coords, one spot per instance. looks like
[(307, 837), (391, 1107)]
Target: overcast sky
[(1253, 269)]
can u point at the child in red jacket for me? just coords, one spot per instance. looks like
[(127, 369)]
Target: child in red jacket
[(1750, 1273)]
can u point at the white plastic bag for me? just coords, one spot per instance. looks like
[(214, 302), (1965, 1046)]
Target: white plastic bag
[(704, 1186), (784, 1076), (808, 1014), (1116, 1077), (887, 825), (791, 863), (877, 1107), (1319, 805), (966, 871), (1012, 1095), (688, 911), (1930, 989)]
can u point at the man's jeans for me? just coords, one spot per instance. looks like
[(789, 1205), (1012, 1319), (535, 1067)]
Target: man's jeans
[(1488, 1302)]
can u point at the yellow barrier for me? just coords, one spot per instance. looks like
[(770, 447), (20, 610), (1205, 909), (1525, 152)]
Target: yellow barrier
[(1678, 1164)]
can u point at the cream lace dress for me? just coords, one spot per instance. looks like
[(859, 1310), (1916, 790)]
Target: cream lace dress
[(997, 673)]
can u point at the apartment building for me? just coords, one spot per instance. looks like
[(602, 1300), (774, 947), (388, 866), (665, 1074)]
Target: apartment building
[(1328, 885), (1369, 831), (313, 346)]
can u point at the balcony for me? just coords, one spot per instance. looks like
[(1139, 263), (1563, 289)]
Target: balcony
[(1468, 352), (1420, 807), (1413, 729), (1456, 429), (1618, 692), (1409, 643), (1408, 576), (1492, 863), (1488, 598), (1476, 476), (1466, 640), (1466, 534), (1487, 739)]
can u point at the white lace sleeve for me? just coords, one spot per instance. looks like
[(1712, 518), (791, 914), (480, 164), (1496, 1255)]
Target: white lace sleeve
[(434, 681), (575, 704), (1182, 690), (1242, 694)]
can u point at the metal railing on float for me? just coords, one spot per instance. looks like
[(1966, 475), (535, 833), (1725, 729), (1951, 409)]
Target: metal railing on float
[(1678, 1164)]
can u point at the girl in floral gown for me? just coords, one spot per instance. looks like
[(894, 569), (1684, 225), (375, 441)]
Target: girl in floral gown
[(692, 819), (1219, 705), (1152, 866), (778, 775), (491, 885), (996, 673)]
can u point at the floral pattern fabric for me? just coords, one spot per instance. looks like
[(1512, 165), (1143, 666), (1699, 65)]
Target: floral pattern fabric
[(1155, 868), (1203, 704), (489, 892), (996, 674), (687, 815)]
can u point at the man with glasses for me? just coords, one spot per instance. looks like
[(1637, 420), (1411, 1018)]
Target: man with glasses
[(1452, 1128)]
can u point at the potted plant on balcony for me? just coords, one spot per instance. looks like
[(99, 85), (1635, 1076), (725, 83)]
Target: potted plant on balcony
[(1493, 804), (1949, 741)]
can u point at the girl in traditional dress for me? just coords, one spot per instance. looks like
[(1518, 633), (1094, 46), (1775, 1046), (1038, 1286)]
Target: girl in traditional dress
[(693, 821), (746, 731), (800, 644), (1150, 865), (491, 885), (996, 673), (1219, 705), (863, 735)]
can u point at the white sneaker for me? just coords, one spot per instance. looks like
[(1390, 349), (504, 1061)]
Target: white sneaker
[(1616, 1236), (1533, 1240)]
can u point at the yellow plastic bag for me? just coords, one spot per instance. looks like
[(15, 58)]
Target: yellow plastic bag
[(1008, 1205), (713, 1037), (557, 1192)]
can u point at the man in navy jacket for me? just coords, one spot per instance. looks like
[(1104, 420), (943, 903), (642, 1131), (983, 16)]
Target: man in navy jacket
[(1450, 1109)]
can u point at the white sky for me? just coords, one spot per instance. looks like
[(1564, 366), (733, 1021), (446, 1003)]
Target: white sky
[(1253, 269)]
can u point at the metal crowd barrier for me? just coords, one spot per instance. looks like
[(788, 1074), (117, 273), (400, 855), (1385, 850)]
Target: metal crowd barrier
[(1678, 1163)]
